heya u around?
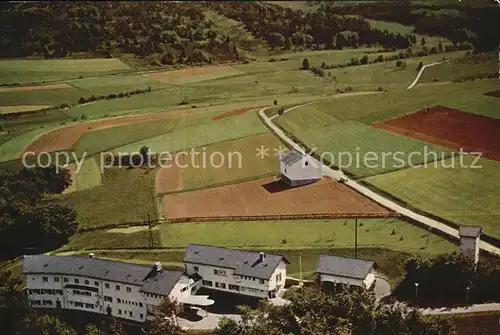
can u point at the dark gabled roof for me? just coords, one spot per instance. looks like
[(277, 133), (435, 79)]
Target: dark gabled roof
[(470, 231), (244, 263), (162, 283), (127, 273), (344, 267), (291, 157)]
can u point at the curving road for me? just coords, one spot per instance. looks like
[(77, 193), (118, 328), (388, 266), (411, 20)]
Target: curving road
[(419, 74), (337, 175)]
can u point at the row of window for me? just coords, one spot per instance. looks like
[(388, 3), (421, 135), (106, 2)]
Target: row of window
[(150, 295), (120, 312), (85, 293), (66, 280), (261, 281), (45, 291), (86, 282), (82, 305), (40, 303), (220, 272)]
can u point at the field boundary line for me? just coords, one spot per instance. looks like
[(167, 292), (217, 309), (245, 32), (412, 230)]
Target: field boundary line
[(378, 198), (419, 74)]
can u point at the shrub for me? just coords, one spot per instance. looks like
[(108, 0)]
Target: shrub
[(82, 100), (380, 89), (305, 64), (393, 232), (120, 95), (83, 117), (184, 101)]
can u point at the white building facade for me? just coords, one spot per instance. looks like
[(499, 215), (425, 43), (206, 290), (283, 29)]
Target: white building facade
[(101, 286), (469, 241), (347, 271), (236, 271), (297, 169)]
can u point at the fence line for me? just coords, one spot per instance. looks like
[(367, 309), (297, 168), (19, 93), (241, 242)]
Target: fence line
[(193, 219)]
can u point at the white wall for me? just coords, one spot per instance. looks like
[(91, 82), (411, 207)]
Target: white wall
[(273, 284), (130, 301), (248, 286), (469, 247), (300, 171)]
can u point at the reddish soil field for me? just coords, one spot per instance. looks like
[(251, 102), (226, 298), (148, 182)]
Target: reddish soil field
[(269, 196), (449, 128), (34, 88), (192, 72), (65, 138), (168, 179), (238, 111)]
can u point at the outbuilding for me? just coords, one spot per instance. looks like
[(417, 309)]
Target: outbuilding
[(348, 271), (298, 169)]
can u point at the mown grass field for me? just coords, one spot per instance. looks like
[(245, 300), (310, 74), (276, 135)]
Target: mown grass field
[(51, 97), (196, 136), (459, 68), (467, 96), (114, 84), (196, 74), (89, 175), (126, 195), (462, 195), (104, 139), (31, 71), (303, 234), (359, 149), (21, 108), (238, 162)]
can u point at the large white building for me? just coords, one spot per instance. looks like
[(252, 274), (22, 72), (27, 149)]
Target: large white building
[(124, 290), (347, 271), (298, 169), (238, 271)]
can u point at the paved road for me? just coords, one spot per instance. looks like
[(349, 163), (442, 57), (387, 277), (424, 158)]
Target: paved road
[(420, 73), (337, 174), (463, 310)]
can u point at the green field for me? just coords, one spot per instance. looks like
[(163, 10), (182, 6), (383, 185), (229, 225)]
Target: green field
[(192, 75), (89, 175), (349, 145), (461, 195), (10, 148), (31, 71), (114, 84), (197, 136), (51, 97), (459, 68), (467, 96), (240, 162), (125, 195), (101, 140)]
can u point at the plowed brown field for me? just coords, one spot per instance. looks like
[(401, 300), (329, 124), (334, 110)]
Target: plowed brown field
[(449, 128), (268, 196)]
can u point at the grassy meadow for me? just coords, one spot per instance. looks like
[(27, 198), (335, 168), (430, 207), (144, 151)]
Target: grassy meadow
[(196, 136), (239, 162), (89, 175), (114, 84), (462, 195), (126, 195), (50, 97), (48, 70)]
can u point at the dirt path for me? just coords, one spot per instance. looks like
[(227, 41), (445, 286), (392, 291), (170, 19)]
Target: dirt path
[(419, 74)]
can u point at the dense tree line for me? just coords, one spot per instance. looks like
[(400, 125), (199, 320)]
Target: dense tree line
[(346, 311), (286, 28), (177, 33), (459, 23), (27, 221), (450, 279)]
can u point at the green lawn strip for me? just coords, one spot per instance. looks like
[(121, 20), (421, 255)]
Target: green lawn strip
[(49, 70), (102, 140), (126, 195), (115, 84), (50, 97), (459, 68), (197, 136), (89, 175), (460, 195), (361, 150), (306, 233), (239, 162), (468, 96)]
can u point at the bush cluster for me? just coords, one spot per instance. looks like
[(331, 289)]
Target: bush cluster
[(127, 94)]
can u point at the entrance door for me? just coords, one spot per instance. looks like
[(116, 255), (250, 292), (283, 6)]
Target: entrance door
[(58, 304)]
